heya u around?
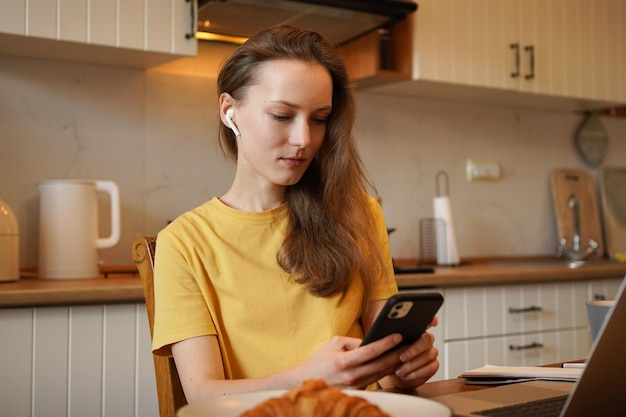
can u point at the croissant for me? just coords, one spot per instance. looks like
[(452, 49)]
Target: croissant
[(315, 399)]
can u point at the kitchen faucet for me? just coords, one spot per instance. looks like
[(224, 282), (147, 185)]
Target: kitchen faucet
[(575, 254)]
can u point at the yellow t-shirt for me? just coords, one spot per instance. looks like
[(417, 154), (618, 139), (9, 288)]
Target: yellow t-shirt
[(216, 273)]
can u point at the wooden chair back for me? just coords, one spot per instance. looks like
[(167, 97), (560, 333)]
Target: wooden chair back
[(169, 390)]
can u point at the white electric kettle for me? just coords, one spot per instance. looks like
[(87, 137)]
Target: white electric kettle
[(68, 227)]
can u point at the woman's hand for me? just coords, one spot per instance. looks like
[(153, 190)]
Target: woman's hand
[(343, 362), (418, 363)]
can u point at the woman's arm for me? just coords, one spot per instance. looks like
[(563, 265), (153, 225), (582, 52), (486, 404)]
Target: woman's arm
[(340, 362)]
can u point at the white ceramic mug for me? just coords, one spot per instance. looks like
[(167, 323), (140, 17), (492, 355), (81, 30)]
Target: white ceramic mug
[(596, 313), (68, 227)]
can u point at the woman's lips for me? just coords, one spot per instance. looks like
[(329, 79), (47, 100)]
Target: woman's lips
[(294, 162)]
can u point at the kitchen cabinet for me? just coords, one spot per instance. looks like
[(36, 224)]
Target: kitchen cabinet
[(516, 325), (87, 360), (558, 53), (132, 33)]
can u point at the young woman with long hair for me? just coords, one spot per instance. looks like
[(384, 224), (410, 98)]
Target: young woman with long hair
[(277, 280)]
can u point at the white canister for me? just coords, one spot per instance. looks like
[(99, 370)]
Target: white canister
[(9, 244), (68, 227)]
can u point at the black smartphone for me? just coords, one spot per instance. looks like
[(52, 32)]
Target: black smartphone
[(407, 313)]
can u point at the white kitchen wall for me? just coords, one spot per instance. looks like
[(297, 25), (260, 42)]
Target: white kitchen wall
[(406, 141), (154, 133)]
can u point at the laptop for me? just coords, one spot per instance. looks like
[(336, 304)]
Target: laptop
[(600, 390)]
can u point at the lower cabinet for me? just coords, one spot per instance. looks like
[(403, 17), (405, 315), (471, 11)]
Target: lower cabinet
[(518, 350), (77, 361), (516, 325)]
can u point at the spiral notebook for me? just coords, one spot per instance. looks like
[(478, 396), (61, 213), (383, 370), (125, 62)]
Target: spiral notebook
[(599, 391)]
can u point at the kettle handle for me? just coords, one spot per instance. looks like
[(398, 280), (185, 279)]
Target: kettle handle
[(112, 189)]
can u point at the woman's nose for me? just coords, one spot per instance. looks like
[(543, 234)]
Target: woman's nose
[(301, 135)]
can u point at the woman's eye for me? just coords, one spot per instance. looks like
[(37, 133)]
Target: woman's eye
[(281, 117), (321, 121)]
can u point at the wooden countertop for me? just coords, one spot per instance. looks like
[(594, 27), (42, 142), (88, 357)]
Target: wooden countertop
[(510, 272), (121, 284), (114, 286)]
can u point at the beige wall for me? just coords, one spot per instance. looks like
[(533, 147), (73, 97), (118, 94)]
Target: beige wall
[(154, 133)]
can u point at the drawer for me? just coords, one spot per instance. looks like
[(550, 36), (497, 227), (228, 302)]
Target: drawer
[(513, 309), (520, 350)]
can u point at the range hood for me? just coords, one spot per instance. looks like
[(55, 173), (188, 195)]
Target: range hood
[(337, 20)]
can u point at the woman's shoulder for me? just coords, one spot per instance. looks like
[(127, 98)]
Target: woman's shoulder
[(374, 205)]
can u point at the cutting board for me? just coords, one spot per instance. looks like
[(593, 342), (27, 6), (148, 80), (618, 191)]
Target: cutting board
[(574, 183), (612, 182)]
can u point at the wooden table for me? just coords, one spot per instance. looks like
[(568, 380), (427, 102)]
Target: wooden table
[(436, 388), (455, 385)]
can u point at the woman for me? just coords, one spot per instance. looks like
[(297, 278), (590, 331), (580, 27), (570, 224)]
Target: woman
[(277, 280)]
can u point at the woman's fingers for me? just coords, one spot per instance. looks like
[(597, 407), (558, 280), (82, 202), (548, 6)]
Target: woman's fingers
[(419, 363), (344, 362)]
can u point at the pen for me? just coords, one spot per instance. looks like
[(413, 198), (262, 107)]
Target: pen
[(578, 365)]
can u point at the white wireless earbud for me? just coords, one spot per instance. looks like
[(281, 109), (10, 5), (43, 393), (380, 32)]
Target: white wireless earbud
[(231, 124)]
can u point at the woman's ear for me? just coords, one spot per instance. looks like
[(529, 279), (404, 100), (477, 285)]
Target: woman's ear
[(227, 112), (229, 121)]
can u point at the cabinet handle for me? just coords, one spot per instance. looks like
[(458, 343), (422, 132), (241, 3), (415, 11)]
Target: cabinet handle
[(533, 345), (530, 309), (515, 46), (531, 53), (192, 29)]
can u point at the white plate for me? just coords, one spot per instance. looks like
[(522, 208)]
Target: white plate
[(397, 405)]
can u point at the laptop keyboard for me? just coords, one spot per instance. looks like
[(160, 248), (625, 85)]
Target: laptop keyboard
[(549, 407)]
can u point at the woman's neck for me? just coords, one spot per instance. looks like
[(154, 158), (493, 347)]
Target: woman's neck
[(245, 199)]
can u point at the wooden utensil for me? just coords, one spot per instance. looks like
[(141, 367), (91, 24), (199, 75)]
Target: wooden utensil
[(570, 188)]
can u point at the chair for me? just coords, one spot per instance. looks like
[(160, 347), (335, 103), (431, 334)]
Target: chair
[(169, 389)]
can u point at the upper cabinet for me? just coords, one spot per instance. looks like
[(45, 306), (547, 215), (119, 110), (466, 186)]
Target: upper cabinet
[(134, 33), (560, 52)]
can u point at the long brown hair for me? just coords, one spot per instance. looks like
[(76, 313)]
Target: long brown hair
[(331, 233)]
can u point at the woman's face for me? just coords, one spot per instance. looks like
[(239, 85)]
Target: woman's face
[(282, 120)]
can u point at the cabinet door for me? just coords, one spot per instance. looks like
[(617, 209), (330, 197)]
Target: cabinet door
[(136, 33), (13, 17), (616, 47), (184, 25), (601, 56), (577, 48), (546, 306), (464, 42), (41, 19), (77, 360), (103, 23), (73, 18), (535, 349), (473, 312), (562, 48)]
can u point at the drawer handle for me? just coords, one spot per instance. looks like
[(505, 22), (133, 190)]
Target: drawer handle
[(192, 30), (515, 46), (531, 51), (533, 345), (531, 309)]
